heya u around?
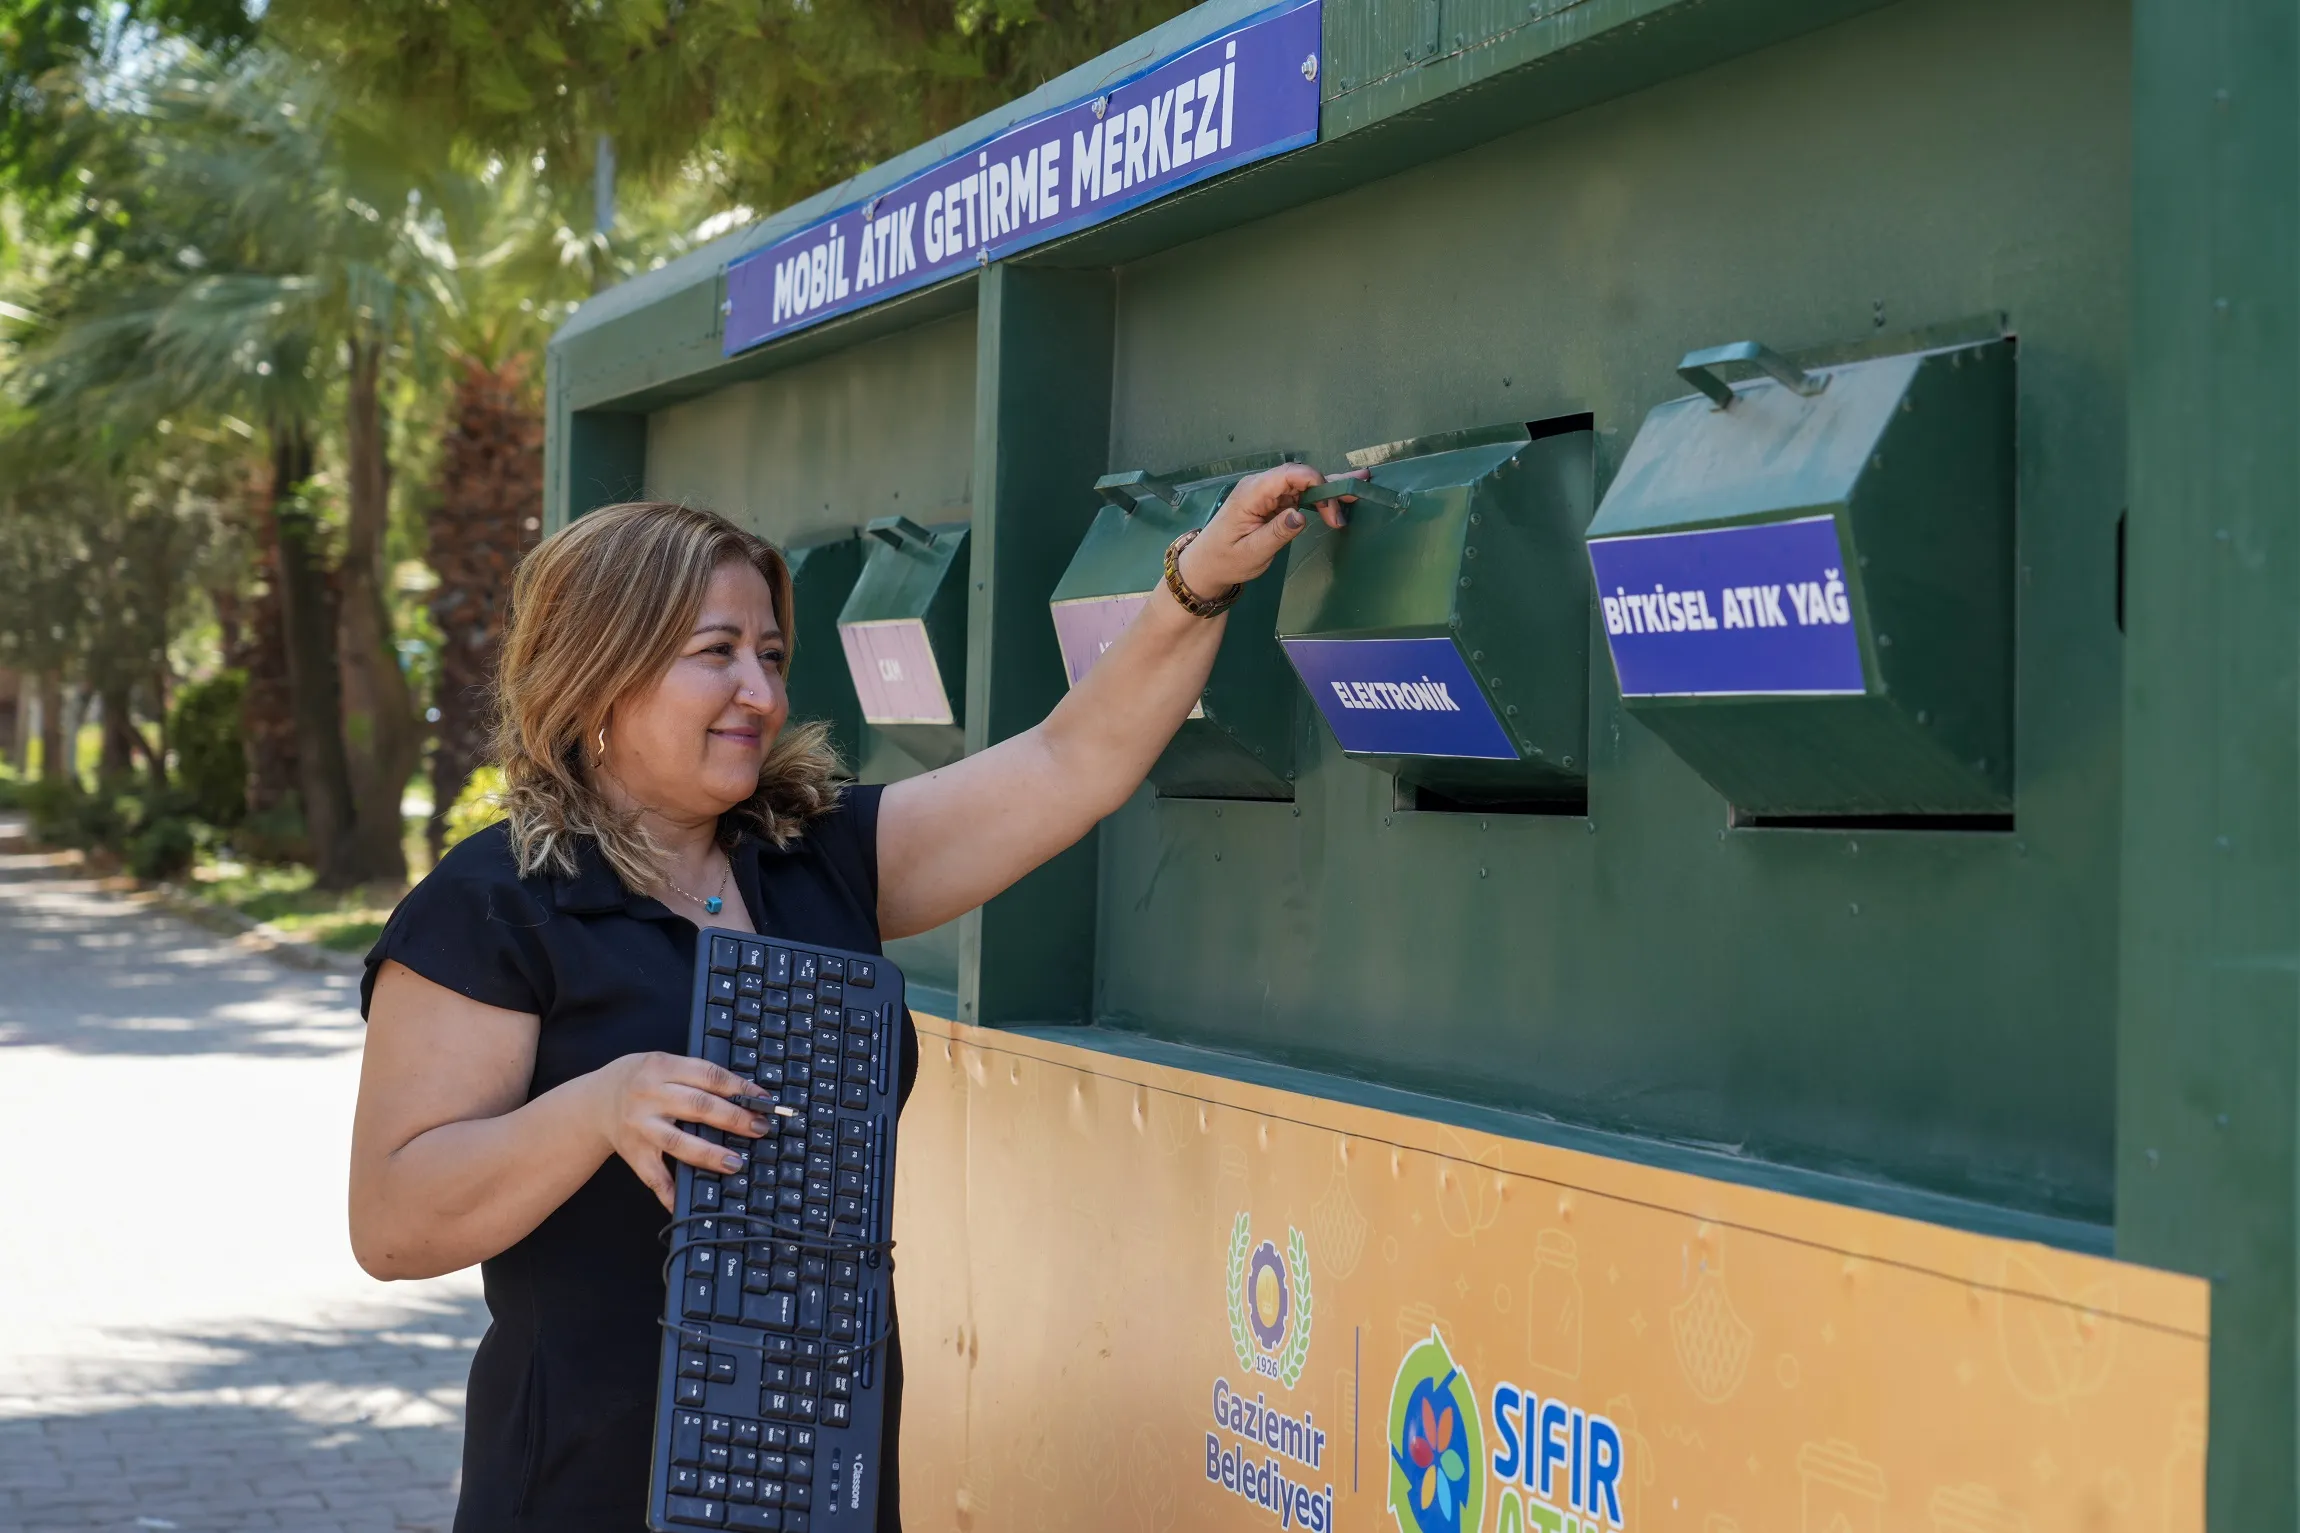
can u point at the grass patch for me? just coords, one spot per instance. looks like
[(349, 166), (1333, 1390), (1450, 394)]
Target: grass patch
[(343, 921)]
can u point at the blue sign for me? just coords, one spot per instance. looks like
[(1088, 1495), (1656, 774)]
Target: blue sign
[(1760, 611), (1399, 697), (1242, 96)]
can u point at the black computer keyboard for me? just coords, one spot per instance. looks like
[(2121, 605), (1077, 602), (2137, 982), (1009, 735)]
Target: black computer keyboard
[(779, 1291)]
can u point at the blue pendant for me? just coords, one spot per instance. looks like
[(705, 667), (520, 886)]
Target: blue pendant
[(714, 904)]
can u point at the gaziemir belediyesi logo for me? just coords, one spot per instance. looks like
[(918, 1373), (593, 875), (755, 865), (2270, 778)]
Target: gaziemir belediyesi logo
[(1270, 1308)]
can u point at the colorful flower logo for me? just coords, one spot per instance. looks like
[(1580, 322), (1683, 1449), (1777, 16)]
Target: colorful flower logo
[(1267, 1300), (1437, 1445)]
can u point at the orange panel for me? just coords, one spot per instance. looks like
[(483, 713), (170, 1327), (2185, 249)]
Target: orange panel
[(1139, 1298)]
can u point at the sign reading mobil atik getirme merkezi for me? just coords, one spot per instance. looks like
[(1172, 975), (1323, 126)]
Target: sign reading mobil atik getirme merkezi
[(1241, 96)]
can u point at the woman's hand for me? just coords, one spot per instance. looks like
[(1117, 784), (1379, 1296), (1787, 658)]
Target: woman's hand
[(645, 1097), (1253, 527)]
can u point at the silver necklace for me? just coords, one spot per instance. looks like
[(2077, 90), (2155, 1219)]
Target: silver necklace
[(716, 902)]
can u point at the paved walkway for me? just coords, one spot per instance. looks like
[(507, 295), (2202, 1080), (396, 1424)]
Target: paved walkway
[(185, 1341)]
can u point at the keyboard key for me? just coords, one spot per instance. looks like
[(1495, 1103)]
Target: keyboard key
[(750, 984), (795, 1522), (768, 1072), (770, 1493), (694, 1365), (718, 1429), (754, 955), (855, 1094), (850, 1183), (776, 1437), (742, 1489), (715, 1049), (718, 1021), (706, 1194), (769, 1311), (778, 966), (746, 1033), (800, 1494), (806, 969), (833, 968), (843, 1300), (748, 1009), (722, 989), (775, 1402), (811, 1352), (803, 1467), (830, 992), (693, 1392), (847, 1210), (758, 1279), (842, 1327), (805, 1381), (696, 1302), (756, 1519), (709, 1514), (852, 1131), (686, 1438), (685, 1482), (742, 1061), (861, 971), (722, 1368), (811, 1299), (746, 1440), (716, 1456), (724, 953), (840, 1385), (776, 1000), (853, 1157), (714, 1485), (838, 1413)]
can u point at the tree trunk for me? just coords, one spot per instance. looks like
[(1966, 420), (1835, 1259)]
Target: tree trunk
[(490, 512), (308, 632), (118, 759), (156, 757), (382, 740), (53, 757), (267, 706)]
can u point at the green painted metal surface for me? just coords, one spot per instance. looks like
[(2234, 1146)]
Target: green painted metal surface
[(1911, 457), (2087, 1015), (1239, 742), (1483, 551), (823, 572), (2208, 1128), (1042, 412)]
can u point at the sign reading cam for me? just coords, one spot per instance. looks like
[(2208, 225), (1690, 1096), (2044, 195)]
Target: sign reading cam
[(1270, 1308)]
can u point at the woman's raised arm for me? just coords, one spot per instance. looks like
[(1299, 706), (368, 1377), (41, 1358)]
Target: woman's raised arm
[(952, 838), (450, 1165)]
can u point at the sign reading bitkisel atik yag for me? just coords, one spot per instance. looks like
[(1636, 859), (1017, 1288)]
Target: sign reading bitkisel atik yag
[(1139, 1298)]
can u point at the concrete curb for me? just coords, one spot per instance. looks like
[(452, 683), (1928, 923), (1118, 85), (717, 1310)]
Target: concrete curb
[(256, 936)]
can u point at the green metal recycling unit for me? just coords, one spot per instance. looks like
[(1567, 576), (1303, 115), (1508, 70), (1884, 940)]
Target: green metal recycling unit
[(1807, 698)]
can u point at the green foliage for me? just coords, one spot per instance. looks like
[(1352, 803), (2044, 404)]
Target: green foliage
[(275, 835), (773, 102), (162, 848), (476, 807), (211, 756), (50, 804)]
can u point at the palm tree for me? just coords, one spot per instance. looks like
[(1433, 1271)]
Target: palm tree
[(273, 251)]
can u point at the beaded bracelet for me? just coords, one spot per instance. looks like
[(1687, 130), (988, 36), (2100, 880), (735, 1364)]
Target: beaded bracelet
[(1192, 602)]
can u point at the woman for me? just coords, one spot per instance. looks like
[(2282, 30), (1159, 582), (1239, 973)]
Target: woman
[(526, 1073)]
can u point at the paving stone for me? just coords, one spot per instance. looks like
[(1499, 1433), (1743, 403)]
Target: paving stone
[(218, 1362)]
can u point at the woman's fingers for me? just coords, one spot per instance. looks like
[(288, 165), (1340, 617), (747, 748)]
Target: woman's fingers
[(703, 1155), (648, 1167)]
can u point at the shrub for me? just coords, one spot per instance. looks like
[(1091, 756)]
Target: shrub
[(52, 804), (275, 835), (211, 755), (475, 808), (162, 849)]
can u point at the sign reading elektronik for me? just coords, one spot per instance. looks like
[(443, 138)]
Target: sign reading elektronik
[(1730, 611), (1242, 96), (1399, 697)]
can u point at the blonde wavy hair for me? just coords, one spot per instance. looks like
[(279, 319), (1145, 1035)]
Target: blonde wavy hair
[(599, 610)]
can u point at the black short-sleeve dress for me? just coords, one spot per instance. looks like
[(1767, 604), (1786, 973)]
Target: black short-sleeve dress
[(560, 1414)]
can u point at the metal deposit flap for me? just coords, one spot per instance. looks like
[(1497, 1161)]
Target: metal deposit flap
[(1806, 581)]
